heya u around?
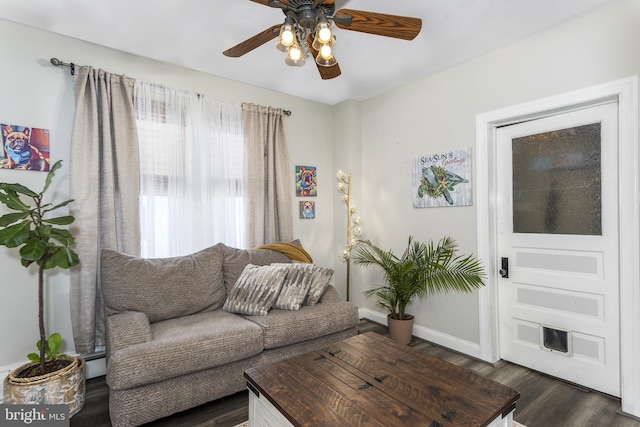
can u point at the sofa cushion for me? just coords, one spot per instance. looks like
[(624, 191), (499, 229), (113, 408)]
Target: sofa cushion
[(256, 289), (295, 287), (285, 327), (163, 288), (235, 260), (183, 345), (319, 281)]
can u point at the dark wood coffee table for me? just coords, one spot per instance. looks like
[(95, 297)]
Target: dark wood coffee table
[(370, 380)]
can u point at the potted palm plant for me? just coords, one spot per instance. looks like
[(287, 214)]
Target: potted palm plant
[(423, 269), (51, 377)]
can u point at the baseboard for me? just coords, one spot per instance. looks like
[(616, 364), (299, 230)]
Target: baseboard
[(427, 334), (626, 414), (96, 367)]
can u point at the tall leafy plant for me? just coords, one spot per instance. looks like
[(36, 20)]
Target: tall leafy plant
[(40, 240), (423, 269)]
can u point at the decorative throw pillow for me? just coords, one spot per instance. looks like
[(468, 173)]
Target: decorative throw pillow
[(235, 260), (256, 289), (319, 281), (295, 287)]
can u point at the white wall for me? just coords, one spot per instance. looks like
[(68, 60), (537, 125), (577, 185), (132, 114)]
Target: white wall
[(37, 94), (438, 113)]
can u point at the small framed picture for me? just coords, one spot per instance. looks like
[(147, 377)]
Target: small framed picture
[(307, 209)]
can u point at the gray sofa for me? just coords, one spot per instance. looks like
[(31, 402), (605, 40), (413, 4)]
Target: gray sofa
[(173, 344)]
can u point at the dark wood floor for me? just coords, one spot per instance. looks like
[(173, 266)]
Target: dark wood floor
[(544, 401)]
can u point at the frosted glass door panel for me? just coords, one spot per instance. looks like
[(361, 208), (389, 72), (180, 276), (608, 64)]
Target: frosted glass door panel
[(557, 182)]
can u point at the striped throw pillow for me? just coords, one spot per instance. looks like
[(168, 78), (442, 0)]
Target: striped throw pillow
[(295, 287), (319, 281), (256, 289)]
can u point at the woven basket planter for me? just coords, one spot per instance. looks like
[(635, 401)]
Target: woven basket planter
[(64, 386)]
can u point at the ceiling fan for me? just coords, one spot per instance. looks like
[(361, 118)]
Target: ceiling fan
[(307, 31)]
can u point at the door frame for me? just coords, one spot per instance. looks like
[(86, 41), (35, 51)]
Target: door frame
[(625, 93)]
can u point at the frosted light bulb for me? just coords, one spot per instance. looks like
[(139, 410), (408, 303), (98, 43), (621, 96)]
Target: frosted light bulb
[(325, 51), (295, 53), (286, 38), (324, 35)]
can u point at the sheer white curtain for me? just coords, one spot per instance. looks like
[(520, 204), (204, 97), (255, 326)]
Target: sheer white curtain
[(191, 171)]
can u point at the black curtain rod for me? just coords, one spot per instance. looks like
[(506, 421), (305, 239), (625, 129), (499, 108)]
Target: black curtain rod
[(57, 63)]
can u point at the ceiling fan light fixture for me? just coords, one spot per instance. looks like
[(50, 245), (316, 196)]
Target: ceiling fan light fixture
[(287, 36), (325, 51), (323, 31), (323, 35), (295, 56), (325, 57), (311, 22)]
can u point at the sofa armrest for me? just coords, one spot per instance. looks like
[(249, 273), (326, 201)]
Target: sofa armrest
[(330, 295), (126, 329)]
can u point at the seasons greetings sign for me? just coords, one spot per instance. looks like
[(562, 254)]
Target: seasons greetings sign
[(442, 179)]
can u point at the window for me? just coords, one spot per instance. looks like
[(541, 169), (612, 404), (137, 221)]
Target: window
[(192, 185)]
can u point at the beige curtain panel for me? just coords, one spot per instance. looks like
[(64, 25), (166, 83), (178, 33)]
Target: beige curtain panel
[(269, 178), (104, 173)]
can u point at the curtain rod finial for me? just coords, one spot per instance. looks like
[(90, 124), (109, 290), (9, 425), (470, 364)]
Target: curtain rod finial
[(57, 63)]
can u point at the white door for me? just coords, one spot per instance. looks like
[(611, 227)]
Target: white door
[(558, 232)]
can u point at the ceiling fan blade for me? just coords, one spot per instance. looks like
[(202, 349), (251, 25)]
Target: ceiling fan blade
[(253, 42), (326, 73), (380, 24)]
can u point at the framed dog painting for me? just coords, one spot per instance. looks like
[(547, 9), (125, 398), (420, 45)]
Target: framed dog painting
[(307, 209), (306, 181), (24, 148)]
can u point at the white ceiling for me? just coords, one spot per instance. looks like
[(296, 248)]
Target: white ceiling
[(194, 33)]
